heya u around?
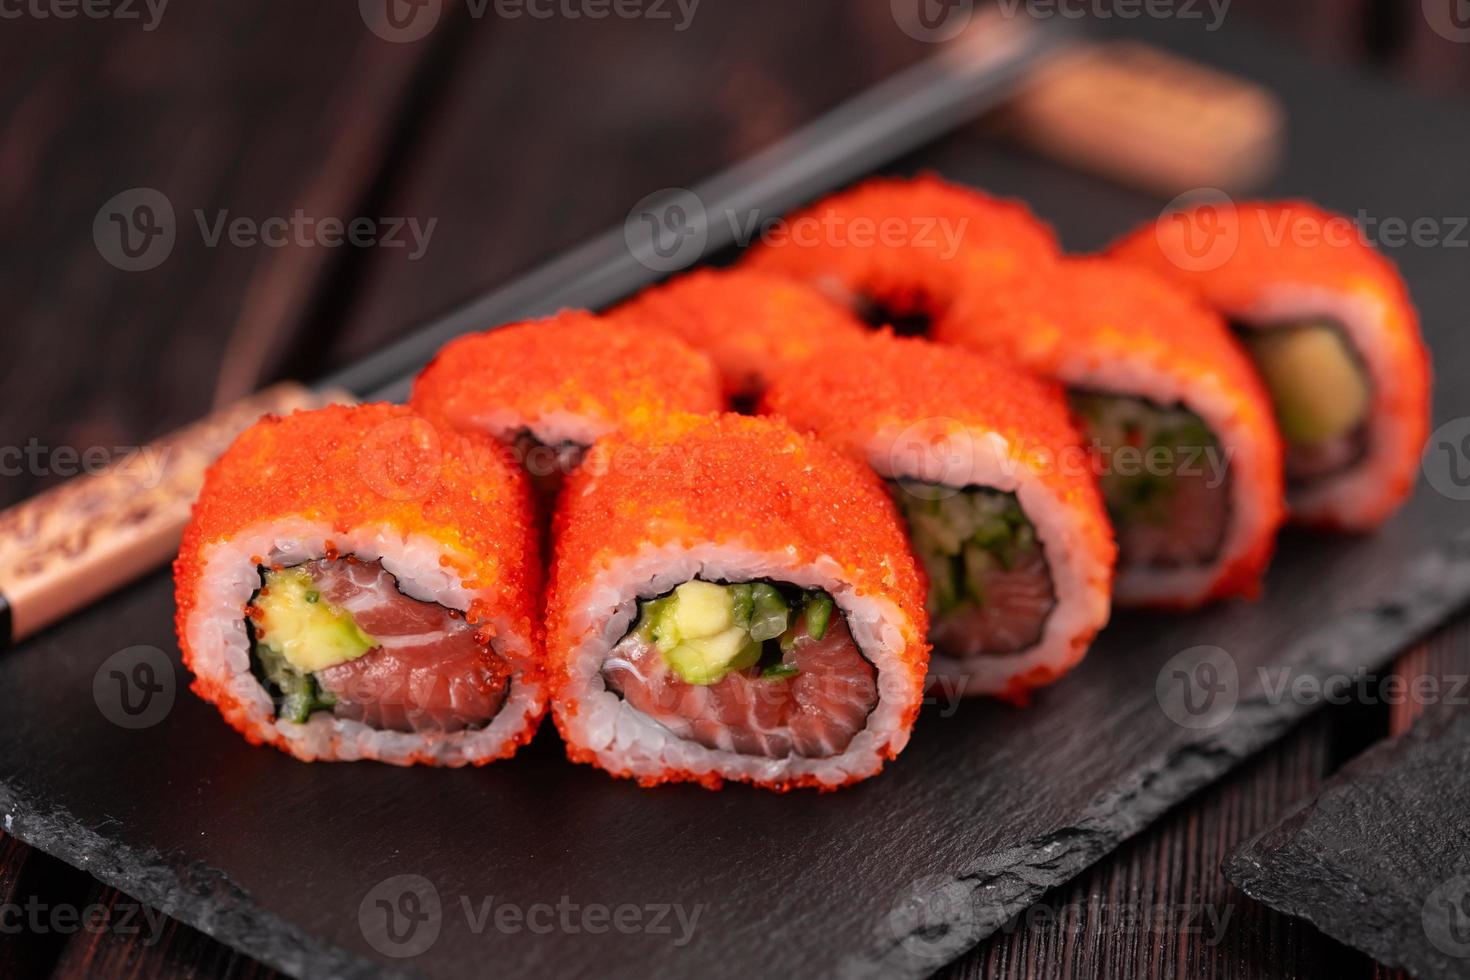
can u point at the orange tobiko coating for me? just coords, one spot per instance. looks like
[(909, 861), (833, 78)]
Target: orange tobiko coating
[(750, 323), (886, 383), (910, 245), (608, 373)]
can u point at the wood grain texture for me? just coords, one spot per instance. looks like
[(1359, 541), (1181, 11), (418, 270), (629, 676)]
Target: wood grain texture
[(241, 110), (172, 952), (553, 129)]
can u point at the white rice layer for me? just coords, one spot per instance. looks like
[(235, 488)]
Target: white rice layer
[(221, 646), (623, 739)]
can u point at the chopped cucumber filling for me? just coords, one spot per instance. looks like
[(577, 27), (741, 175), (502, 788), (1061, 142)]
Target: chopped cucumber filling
[(706, 630), (297, 695), (963, 537), (1316, 383), (1157, 440), (818, 615)]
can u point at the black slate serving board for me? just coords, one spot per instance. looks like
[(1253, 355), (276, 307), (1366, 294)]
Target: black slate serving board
[(299, 865), (1380, 858)]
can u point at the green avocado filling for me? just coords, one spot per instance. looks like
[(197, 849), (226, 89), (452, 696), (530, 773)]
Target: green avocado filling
[(1135, 488), (961, 536), (706, 630), (1316, 384), (293, 634)]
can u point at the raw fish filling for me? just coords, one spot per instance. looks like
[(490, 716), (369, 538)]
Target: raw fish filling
[(990, 589), (1320, 391), (1163, 477), (757, 668), (337, 635)]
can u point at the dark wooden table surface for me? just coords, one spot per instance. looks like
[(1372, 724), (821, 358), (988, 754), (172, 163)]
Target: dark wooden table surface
[(517, 136)]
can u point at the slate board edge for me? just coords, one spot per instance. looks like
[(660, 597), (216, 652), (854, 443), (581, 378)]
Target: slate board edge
[(1002, 885), (1237, 869), (192, 892), (1242, 871)]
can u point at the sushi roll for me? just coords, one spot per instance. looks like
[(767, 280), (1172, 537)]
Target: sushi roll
[(1330, 327), (551, 388), (733, 600), (983, 463), (748, 322), (900, 250), (358, 584), (1179, 428)]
